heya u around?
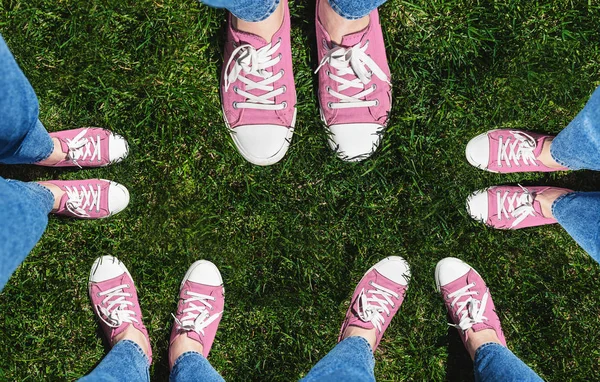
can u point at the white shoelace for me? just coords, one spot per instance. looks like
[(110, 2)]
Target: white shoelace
[(370, 309), (114, 307), (520, 147), (197, 316), (470, 311), (80, 148), (520, 205), (356, 62), (249, 61), (81, 200)]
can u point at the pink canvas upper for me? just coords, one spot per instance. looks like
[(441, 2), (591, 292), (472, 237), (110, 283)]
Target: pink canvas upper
[(516, 151), (364, 52), (116, 304), (364, 312), (252, 53), (514, 207), (205, 304), (85, 147), (470, 305), (84, 199)]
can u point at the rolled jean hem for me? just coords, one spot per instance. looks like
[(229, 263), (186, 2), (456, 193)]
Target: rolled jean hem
[(485, 345), (138, 348), (41, 193), (185, 355), (557, 201), (262, 18), (557, 160), (345, 15)]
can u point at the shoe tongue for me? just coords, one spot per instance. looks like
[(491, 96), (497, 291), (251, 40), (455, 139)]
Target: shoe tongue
[(195, 336), (352, 39), (539, 146), (249, 38), (62, 205)]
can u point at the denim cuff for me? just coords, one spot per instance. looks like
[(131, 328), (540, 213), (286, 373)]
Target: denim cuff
[(485, 346), (182, 357), (556, 212), (136, 347), (250, 11), (555, 157), (39, 193), (361, 342), (352, 11)]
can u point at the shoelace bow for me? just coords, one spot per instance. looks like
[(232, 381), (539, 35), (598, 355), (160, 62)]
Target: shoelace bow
[(519, 148), (113, 310), (82, 148), (197, 316), (249, 61), (356, 62), (470, 311), (520, 205), (371, 309), (78, 201)]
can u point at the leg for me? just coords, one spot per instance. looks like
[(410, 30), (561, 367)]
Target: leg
[(23, 139), (577, 213), (247, 10), (192, 366), (578, 145), (24, 209), (353, 9), (126, 362), (495, 363), (351, 360)]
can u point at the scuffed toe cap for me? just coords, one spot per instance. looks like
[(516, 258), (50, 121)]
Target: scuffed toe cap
[(118, 148), (478, 151), (354, 142), (477, 205), (450, 269), (394, 268), (262, 145), (118, 198)]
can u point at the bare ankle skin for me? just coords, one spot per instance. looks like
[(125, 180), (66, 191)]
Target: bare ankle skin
[(132, 334), (58, 194), (368, 334), (266, 28), (181, 345), (336, 26), (545, 156), (476, 339), (56, 156), (547, 198)]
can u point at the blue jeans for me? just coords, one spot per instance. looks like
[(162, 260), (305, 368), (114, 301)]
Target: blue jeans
[(24, 207), (350, 360), (126, 362), (258, 10)]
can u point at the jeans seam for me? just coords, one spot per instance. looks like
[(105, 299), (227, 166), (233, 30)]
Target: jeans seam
[(553, 155), (552, 208), (343, 14), (485, 345), (50, 145), (139, 350), (266, 15), (184, 355), (366, 344)]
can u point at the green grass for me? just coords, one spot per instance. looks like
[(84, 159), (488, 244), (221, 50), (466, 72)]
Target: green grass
[(293, 239)]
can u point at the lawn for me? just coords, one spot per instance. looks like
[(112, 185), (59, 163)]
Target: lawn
[(293, 239)]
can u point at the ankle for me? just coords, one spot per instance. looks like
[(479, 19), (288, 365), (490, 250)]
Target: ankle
[(132, 334), (337, 26), (547, 199), (183, 344), (56, 191), (368, 334), (56, 156), (546, 157), (265, 28), (476, 339)]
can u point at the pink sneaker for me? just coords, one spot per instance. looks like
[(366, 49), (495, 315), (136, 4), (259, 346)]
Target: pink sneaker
[(90, 147), (91, 198), (114, 299), (201, 303), (355, 94), (508, 207), (378, 296), (258, 94), (507, 151), (467, 298)]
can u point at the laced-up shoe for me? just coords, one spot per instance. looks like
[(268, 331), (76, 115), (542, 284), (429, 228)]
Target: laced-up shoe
[(90, 147), (258, 94), (114, 298), (200, 307), (507, 151), (509, 207), (354, 89), (467, 298), (91, 198), (378, 296)]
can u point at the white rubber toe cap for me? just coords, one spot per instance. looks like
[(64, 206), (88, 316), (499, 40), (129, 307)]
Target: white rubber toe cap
[(118, 149), (450, 269), (478, 151), (262, 145), (394, 268), (477, 205), (354, 142), (106, 268), (118, 198), (204, 272)]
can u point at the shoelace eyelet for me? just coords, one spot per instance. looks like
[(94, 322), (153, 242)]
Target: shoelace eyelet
[(284, 89), (374, 86), (329, 104), (235, 89), (328, 89), (376, 102), (284, 104), (234, 105)]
